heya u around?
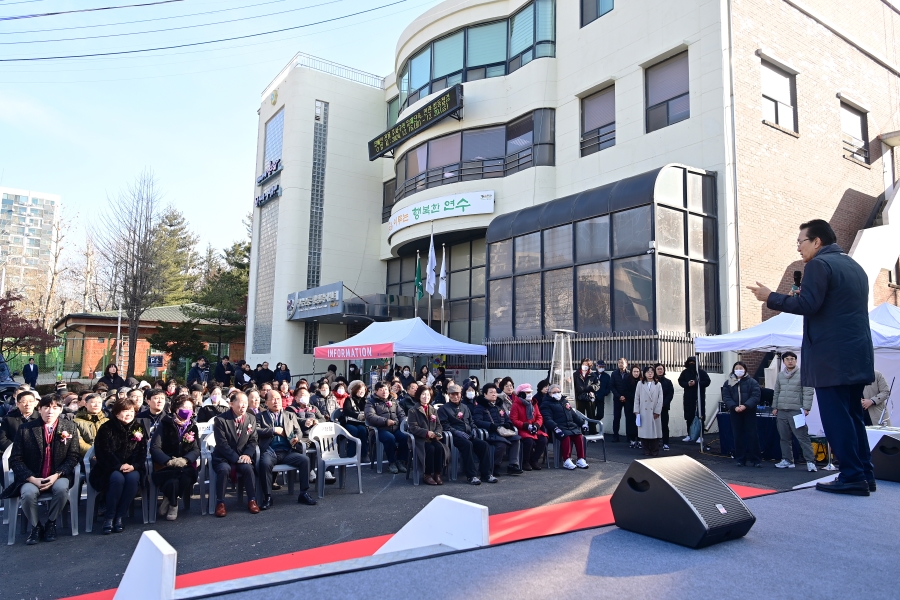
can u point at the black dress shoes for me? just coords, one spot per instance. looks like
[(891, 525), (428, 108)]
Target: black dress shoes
[(117, 525), (35, 536), (857, 488), (107, 527), (266, 503), (305, 498), (872, 486), (50, 531)]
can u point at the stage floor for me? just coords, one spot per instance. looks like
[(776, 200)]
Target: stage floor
[(804, 544)]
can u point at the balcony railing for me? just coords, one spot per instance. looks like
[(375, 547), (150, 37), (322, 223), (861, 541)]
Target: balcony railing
[(325, 66), (856, 148)]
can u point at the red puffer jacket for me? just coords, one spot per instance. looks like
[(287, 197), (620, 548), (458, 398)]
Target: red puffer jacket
[(518, 415)]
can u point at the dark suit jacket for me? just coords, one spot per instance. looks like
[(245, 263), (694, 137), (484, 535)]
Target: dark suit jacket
[(27, 455), (229, 445), (619, 383), (9, 425), (30, 374), (221, 375), (837, 336), (266, 429)]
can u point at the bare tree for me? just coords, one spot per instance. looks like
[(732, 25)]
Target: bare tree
[(126, 243), (53, 304)]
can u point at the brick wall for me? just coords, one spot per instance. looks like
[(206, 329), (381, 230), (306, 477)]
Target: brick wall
[(884, 292), (784, 180)]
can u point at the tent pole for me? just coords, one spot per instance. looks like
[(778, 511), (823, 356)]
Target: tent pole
[(429, 310)]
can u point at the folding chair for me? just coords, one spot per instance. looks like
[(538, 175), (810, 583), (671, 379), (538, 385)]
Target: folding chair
[(92, 495), (325, 437), (209, 483), (411, 442)]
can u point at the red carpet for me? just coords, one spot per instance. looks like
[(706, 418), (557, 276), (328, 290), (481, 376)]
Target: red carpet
[(505, 527)]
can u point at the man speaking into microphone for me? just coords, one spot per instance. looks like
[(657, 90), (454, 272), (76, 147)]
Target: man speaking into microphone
[(838, 359)]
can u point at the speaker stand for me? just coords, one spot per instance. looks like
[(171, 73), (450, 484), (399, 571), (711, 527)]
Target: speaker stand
[(830, 466)]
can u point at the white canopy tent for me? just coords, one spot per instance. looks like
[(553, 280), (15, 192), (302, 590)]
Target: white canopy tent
[(409, 337)]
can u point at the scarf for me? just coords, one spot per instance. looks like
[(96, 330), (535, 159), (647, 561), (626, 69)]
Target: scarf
[(48, 438), (790, 374), (182, 429), (529, 409)]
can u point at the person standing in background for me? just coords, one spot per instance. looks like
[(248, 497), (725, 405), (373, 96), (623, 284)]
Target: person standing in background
[(694, 381), (587, 387), (619, 383), (789, 401), (668, 391), (834, 302), (874, 397), (605, 382), (648, 403), (30, 373), (740, 393)]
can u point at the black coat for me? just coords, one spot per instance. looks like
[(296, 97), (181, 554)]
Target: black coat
[(560, 414), (167, 443), (243, 378), (745, 392), (148, 420), (27, 456), (265, 376), (605, 385), (487, 416), (586, 387), (10, 424), (378, 413), (209, 412), (283, 375), (448, 414), (30, 374), (115, 446), (198, 374), (837, 336), (668, 390), (113, 382), (229, 445), (354, 409), (621, 383), (221, 375), (702, 382)]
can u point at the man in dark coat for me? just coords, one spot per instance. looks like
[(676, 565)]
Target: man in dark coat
[(490, 415), (620, 384), (456, 419), (25, 411), (605, 387), (265, 374), (199, 373), (694, 381), (236, 440), (44, 456), (280, 444), (152, 412), (30, 373), (834, 301), (224, 370)]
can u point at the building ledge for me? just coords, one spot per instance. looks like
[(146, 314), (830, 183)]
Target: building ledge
[(780, 128), (893, 286), (857, 161)]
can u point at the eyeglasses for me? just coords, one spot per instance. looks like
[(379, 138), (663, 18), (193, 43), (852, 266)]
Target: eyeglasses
[(801, 241)]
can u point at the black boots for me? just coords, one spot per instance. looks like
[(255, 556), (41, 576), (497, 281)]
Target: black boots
[(37, 531), (50, 531)]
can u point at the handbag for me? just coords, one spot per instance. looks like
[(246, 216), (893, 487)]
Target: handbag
[(696, 428), (505, 432)]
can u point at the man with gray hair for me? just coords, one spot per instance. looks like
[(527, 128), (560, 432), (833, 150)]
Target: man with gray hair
[(236, 440)]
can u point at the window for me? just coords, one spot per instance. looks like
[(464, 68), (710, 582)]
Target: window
[(528, 252), (393, 112), (598, 121), (668, 101), (670, 230), (670, 286), (778, 97), (631, 231), (592, 290), (448, 61), (855, 134), (591, 10), (633, 293), (558, 246), (387, 199), (703, 298), (558, 299), (274, 134), (486, 46), (501, 308), (501, 258), (528, 305), (592, 239)]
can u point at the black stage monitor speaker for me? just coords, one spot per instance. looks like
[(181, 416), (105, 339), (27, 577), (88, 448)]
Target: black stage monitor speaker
[(678, 500), (886, 457)]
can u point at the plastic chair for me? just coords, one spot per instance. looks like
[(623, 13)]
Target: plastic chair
[(92, 495), (153, 492), (597, 436), (14, 505), (6, 482), (374, 442), (208, 487), (411, 442), (325, 437)]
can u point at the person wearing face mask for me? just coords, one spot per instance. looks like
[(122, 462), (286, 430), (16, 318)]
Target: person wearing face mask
[(309, 416), (385, 414), (605, 381), (428, 436), (740, 393), (353, 373), (353, 418), (213, 406), (668, 390), (587, 392), (526, 416), (456, 420), (567, 425), (490, 414), (174, 449), (325, 401), (469, 393), (406, 377)]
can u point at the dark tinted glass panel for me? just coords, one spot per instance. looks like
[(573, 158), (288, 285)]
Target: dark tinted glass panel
[(482, 144), (478, 281), (443, 151), (459, 257), (519, 134), (703, 298), (458, 328), (592, 239), (657, 118), (702, 237), (408, 268), (408, 289), (528, 252), (393, 271), (633, 294), (558, 246), (501, 308), (679, 109), (401, 170), (459, 284), (478, 247), (558, 299), (390, 187), (476, 319), (501, 258), (592, 290), (393, 290), (670, 283), (528, 305), (631, 231), (669, 230)]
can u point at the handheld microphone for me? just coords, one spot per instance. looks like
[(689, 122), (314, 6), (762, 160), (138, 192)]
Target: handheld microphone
[(795, 289)]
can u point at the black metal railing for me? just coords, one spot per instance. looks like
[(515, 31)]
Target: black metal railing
[(598, 139)]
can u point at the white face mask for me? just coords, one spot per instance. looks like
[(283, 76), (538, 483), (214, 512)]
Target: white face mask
[(738, 373), (340, 390), (556, 396), (600, 370), (470, 394), (585, 368), (529, 395), (304, 399)]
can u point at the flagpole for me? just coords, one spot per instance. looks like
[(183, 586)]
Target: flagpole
[(416, 290), (443, 283)]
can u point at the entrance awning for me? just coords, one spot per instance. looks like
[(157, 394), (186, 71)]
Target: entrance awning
[(411, 337)]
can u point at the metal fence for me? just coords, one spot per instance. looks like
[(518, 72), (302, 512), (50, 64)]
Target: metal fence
[(638, 347)]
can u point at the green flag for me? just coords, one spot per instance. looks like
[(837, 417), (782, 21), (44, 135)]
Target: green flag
[(419, 290)]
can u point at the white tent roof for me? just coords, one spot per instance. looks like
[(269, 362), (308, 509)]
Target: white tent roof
[(409, 336), (781, 333), (886, 314)]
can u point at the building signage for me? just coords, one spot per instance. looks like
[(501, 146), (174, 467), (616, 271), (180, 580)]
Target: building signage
[(355, 352), (457, 205), (316, 302), (447, 103), (273, 168), (268, 195)]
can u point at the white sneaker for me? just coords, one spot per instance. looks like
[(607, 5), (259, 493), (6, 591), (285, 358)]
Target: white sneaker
[(329, 476), (581, 463), (172, 513), (665, 446), (163, 507), (784, 465), (687, 438), (811, 467), (700, 440), (569, 464), (312, 476)]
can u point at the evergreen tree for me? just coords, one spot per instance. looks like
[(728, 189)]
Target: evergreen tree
[(179, 261), (180, 341)]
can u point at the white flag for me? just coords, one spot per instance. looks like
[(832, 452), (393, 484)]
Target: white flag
[(432, 264), (442, 286)]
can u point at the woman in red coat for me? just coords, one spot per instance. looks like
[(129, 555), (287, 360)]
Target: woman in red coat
[(526, 416)]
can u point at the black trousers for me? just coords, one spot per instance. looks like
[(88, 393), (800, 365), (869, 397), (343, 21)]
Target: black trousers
[(664, 417), (245, 470), (434, 456), (843, 419), (268, 460), (589, 409), (533, 450), (746, 438), (631, 429), (618, 407), (175, 483), (470, 449)]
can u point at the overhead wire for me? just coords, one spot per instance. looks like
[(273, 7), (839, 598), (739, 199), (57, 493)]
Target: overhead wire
[(84, 10), (192, 44), (110, 35)]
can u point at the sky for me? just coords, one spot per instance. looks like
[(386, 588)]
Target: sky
[(84, 128)]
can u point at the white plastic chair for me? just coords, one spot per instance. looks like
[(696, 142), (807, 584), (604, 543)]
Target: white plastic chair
[(90, 509), (325, 437), (208, 485), (14, 506), (596, 437)]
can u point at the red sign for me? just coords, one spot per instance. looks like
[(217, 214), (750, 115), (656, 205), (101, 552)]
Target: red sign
[(355, 352)]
